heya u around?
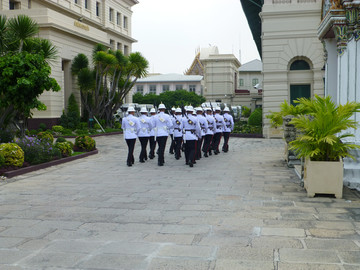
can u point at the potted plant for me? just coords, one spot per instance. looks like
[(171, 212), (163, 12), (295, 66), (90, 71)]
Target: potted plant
[(323, 130)]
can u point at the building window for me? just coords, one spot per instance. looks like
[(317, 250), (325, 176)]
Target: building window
[(86, 4), (179, 87), (118, 18), (112, 44), (165, 88), (111, 14), (300, 65), (152, 89), (119, 46), (255, 81), (125, 22), (76, 1), (14, 5), (140, 89), (98, 9), (241, 82), (126, 50), (299, 91), (192, 88)]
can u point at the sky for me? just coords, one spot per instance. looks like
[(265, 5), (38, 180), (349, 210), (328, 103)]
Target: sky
[(169, 32)]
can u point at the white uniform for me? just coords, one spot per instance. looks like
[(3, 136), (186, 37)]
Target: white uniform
[(229, 122), (130, 125), (219, 119), (145, 126), (191, 127), (177, 126), (203, 124), (211, 124), (163, 124)]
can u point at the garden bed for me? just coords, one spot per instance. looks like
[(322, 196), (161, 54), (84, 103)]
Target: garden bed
[(23, 170), (246, 135)]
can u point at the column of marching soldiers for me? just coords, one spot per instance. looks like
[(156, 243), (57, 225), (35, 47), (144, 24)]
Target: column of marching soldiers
[(192, 132)]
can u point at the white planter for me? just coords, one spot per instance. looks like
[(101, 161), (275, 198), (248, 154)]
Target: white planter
[(323, 177)]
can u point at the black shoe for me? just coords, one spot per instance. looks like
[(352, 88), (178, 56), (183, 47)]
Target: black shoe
[(191, 165), (210, 153), (194, 162), (129, 164), (160, 164), (205, 155), (171, 152), (186, 163), (142, 161), (151, 157)]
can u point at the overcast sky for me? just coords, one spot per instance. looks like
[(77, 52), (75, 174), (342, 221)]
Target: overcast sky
[(170, 31)]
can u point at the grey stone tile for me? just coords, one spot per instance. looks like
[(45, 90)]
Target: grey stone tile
[(114, 262), (178, 264), (308, 256)]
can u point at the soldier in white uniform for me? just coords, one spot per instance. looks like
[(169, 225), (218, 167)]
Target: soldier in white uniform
[(192, 132), (204, 126), (228, 127), (144, 133), (178, 132), (130, 125), (152, 135), (219, 120), (172, 145), (162, 123), (210, 132)]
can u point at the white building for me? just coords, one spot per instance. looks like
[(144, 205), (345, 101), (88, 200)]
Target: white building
[(73, 26), (161, 83)]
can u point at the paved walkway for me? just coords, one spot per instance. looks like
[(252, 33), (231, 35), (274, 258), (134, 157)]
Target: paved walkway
[(240, 210)]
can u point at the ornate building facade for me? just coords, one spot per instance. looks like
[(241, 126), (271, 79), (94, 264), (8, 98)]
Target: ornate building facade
[(73, 26)]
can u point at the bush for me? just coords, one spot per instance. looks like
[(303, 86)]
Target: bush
[(2, 160), (42, 126), (37, 151), (255, 118), (85, 142), (71, 119), (13, 154), (67, 132), (243, 128), (60, 139), (6, 136), (65, 148), (46, 136), (245, 111), (57, 129)]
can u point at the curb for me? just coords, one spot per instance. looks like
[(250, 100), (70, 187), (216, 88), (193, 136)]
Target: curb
[(20, 171)]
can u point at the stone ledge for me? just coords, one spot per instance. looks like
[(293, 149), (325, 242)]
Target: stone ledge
[(32, 168)]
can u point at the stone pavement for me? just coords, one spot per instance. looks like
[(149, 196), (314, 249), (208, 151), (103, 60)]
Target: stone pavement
[(240, 210)]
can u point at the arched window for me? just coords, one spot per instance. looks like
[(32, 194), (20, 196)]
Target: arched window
[(300, 65)]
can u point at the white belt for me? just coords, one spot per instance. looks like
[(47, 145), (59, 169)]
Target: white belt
[(132, 130)]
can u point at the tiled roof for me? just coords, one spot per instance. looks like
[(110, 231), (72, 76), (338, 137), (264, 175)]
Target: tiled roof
[(171, 77), (254, 65)]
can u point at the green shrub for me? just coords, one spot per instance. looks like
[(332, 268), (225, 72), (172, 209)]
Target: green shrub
[(255, 118), (60, 139), (242, 127), (67, 132), (85, 142), (6, 136), (71, 119), (37, 151), (46, 136), (65, 148), (117, 125), (82, 132), (57, 129), (13, 154), (2, 160), (42, 127), (245, 111)]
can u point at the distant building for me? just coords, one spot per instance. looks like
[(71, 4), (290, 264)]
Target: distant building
[(249, 87), (73, 27), (157, 84), (220, 74)]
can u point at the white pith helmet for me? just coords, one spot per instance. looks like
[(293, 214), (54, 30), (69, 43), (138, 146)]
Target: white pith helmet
[(173, 109), (226, 109), (178, 110), (131, 109), (152, 110), (217, 108), (162, 106), (207, 109), (199, 109), (143, 110), (189, 108)]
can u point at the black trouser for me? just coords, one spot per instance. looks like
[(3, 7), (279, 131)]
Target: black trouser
[(152, 146), (225, 147), (162, 143), (216, 141), (144, 142), (172, 145), (190, 147), (198, 147), (207, 143), (178, 141), (131, 145)]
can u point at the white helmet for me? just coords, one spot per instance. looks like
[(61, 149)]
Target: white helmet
[(207, 109), (173, 109), (198, 109), (189, 108), (162, 106), (217, 108), (143, 110), (226, 109), (178, 110), (131, 109), (152, 110)]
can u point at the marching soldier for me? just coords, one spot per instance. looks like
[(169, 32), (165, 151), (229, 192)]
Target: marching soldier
[(191, 133), (152, 135), (228, 127), (162, 123), (219, 120), (144, 133), (178, 132), (130, 125), (210, 132), (204, 127), (172, 145)]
